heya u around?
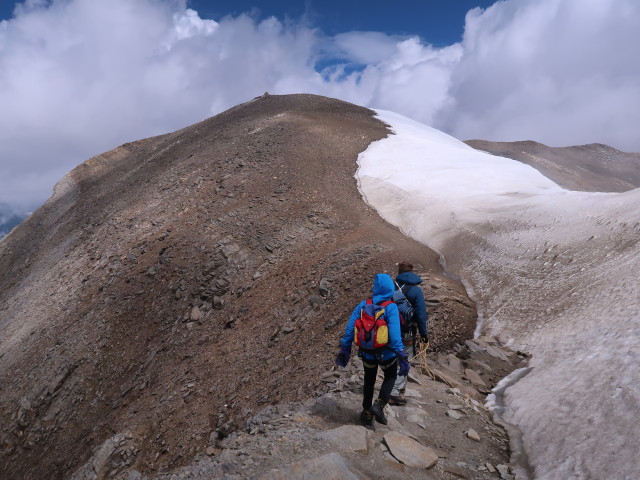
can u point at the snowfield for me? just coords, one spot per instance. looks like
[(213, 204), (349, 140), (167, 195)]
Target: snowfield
[(555, 273)]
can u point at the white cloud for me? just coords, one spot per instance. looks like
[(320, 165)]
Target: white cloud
[(363, 47), (556, 71), (189, 24), (78, 77)]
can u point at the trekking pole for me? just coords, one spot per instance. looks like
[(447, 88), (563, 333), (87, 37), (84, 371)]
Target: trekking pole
[(413, 340)]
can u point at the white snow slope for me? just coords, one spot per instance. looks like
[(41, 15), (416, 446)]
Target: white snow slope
[(555, 272)]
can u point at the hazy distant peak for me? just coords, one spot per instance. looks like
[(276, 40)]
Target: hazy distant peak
[(592, 167)]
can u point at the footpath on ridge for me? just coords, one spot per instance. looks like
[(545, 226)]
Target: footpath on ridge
[(444, 432)]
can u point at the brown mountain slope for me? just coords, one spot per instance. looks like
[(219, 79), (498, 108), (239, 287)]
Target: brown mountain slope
[(589, 168), (175, 285)]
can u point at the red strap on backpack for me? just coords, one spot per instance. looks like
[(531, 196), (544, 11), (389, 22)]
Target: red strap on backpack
[(383, 304)]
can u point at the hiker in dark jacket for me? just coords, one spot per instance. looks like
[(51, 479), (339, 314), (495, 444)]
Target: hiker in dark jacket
[(409, 283), (388, 358)]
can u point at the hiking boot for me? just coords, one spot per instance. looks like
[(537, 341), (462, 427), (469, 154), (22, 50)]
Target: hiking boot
[(366, 417), (376, 409), (397, 400)]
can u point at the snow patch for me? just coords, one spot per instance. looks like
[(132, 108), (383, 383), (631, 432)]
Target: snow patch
[(553, 271)]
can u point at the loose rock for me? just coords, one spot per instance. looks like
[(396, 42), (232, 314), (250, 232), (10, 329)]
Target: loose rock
[(473, 435), (410, 452)]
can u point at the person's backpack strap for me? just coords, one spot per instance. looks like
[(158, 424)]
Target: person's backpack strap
[(383, 304), (404, 285)]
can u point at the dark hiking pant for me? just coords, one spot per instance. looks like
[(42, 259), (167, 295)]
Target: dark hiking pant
[(390, 369)]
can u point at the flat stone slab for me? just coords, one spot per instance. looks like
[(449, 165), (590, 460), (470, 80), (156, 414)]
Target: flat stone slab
[(497, 353), (488, 340), (352, 438), (410, 392), (456, 471), (419, 378), (455, 414), (454, 363), (473, 346), (327, 467), (417, 420), (390, 412), (410, 452), (474, 378), (415, 411)]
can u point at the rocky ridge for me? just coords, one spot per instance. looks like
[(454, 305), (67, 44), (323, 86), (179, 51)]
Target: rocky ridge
[(444, 432), (176, 286)]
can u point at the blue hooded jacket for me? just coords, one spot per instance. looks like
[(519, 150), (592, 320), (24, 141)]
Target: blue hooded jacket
[(383, 289), (416, 298)]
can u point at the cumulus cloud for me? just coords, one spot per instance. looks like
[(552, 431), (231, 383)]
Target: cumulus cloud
[(557, 71), (78, 77)]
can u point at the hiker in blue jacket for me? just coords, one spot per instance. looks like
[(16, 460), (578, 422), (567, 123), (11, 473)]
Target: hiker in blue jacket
[(409, 282), (388, 357)]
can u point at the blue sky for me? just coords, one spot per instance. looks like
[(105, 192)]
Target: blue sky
[(440, 22), (79, 77)]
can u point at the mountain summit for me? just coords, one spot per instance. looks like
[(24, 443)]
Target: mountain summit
[(183, 282)]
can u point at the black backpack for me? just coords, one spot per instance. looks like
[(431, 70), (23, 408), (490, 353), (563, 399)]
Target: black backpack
[(404, 307)]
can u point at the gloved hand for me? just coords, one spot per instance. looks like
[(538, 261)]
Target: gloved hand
[(403, 361), (343, 357), (424, 339)]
